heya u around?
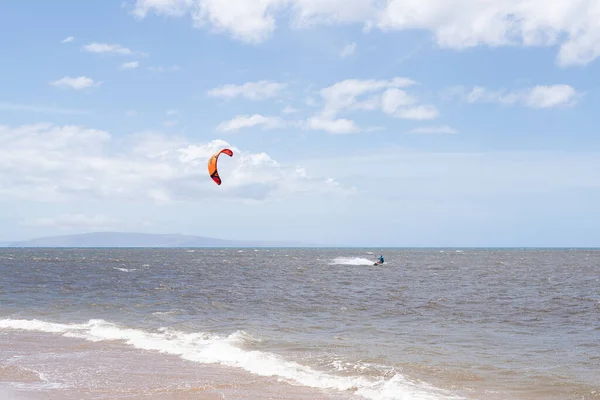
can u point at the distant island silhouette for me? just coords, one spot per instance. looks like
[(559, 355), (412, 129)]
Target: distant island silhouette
[(134, 239)]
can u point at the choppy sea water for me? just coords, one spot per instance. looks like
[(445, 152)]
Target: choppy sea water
[(429, 324)]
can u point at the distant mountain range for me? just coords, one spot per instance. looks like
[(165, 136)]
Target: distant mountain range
[(133, 239)]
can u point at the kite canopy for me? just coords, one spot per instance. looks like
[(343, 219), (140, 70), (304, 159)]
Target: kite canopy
[(212, 165)]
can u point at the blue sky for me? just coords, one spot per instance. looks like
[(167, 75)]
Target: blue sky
[(355, 122)]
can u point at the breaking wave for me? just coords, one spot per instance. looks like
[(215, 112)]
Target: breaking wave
[(229, 350)]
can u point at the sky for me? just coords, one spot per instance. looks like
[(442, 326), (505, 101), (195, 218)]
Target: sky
[(352, 122)]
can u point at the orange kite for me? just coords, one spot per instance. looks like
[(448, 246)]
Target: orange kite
[(212, 165)]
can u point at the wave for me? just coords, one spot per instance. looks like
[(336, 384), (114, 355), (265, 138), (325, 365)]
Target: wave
[(125, 269), (209, 348), (351, 261)]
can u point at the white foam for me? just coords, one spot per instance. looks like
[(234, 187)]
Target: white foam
[(351, 261), (125, 269), (41, 386), (229, 350), (165, 312)]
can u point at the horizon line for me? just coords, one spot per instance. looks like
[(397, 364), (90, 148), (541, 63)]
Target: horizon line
[(247, 243), (316, 247)]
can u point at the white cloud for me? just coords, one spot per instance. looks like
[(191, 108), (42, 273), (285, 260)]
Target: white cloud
[(541, 96), (348, 50), (336, 126), (104, 48), (49, 163), (386, 95), (248, 121), (460, 24), (445, 129), (81, 82), (130, 65), (419, 113), (343, 95), (393, 99), (550, 96), (253, 22), (400, 104), (456, 24), (67, 39), (260, 90), (246, 20), (74, 221)]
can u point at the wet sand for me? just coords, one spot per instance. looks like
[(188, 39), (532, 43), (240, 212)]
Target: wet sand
[(44, 366)]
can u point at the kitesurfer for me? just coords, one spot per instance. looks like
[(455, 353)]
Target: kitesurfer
[(380, 260)]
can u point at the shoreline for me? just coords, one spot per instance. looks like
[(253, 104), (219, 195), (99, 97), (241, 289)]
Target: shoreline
[(116, 371)]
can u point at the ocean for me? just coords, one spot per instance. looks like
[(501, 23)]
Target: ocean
[(285, 323)]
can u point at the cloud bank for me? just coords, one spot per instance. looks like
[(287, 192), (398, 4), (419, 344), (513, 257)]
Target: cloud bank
[(54, 163), (572, 25)]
